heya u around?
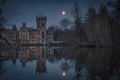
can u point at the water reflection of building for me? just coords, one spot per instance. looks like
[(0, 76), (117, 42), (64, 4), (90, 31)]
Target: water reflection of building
[(41, 62), (25, 54), (50, 51), (91, 64)]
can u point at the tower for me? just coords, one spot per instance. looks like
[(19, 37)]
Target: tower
[(41, 21), (41, 61), (41, 27)]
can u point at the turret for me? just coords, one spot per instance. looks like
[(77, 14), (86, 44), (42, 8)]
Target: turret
[(41, 21)]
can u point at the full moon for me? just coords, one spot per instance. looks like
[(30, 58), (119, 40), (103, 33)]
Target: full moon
[(63, 73), (63, 12)]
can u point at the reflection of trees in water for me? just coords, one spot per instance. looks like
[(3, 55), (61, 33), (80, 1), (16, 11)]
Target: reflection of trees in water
[(62, 55), (1, 69), (115, 65), (81, 73), (100, 64), (67, 64), (89, 64)]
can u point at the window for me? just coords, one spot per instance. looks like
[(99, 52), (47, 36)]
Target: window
[(42, 40), (42, 56), (49, 37), (42, 24), (42, 37), (42, 33)]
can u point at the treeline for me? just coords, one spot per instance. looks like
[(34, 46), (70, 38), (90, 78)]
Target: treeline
[(99, 28)]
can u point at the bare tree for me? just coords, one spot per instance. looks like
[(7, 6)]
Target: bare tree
[(2, 22), (80, 34), (104, 25), (91, 25), (65, 23), (115, 21)]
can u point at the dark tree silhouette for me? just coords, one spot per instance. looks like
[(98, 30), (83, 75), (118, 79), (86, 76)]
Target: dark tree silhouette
[(115, 21), (65, 23), (80, 35), (91, 25), (104, 26), (57, 32), (2, 22)]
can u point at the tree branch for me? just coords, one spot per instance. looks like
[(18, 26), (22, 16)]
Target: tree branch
[(6, 41)]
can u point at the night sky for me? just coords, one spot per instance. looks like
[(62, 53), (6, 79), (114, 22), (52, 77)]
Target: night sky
[(18, 11)]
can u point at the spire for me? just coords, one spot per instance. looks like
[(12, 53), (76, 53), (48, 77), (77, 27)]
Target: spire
[(37, 14), (42, 15)]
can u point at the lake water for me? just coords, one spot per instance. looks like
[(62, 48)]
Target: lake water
[(54, 63)]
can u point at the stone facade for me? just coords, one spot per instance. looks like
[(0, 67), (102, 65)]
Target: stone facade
[(26, 35)]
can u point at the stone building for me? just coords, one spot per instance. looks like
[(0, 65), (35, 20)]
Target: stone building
[(27, 35), (50, 36), (11, 35)]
